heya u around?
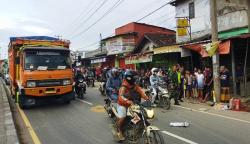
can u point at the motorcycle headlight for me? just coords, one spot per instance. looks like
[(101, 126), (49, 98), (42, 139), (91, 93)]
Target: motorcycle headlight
[(66, 82), (150, 113), (31, 84), (80, 80)]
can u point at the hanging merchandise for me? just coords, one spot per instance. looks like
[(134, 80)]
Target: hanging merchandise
[(211, 48)]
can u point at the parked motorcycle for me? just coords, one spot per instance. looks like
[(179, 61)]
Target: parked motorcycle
[(81, 88), (136, 128), (102, 88), (162, 97)]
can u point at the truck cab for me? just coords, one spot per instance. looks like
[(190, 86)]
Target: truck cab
[(40, 69)]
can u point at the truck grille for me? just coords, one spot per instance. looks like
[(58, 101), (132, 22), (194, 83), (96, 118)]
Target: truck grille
[(45, 83)]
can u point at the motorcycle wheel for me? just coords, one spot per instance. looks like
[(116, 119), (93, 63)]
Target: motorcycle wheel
[(132, 134), (154, 138), (165, 103), (81, 96)]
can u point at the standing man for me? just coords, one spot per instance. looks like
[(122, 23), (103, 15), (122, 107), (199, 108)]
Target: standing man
[(174, 80), (180, 76), (225, 83)]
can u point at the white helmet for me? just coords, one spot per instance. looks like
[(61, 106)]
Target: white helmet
[(153, 70)]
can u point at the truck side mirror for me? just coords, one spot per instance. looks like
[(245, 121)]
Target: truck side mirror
[(17, 60)]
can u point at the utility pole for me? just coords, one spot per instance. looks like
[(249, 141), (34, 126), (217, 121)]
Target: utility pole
[(215, 58), (101, 41), (246, 56), (248, 13)]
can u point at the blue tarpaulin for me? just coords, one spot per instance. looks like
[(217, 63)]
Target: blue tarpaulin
[(34, 38)]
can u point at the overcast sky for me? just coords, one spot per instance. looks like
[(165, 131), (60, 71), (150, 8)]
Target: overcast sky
[(72, 19)]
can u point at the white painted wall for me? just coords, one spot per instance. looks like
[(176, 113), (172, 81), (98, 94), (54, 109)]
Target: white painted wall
[(231, 14), (200, 25)]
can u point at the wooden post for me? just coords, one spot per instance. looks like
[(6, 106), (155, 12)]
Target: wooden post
[(216, 62), (233, 69)]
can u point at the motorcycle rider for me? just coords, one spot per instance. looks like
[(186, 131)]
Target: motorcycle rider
[(77, 77), (154, 81), (113, 84), (128, 94), (90, 76)]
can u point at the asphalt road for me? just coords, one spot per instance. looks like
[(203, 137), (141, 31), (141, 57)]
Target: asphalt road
[(86, 123)]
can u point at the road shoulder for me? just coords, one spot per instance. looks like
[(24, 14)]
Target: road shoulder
[(8, 133)]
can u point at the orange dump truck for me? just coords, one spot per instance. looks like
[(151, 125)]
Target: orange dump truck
[(40, 67)]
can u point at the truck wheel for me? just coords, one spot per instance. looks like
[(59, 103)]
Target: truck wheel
[(67, 101), (21, 102)]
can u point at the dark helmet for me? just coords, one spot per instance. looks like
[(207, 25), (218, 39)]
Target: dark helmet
[(130, 76), (78, 71), (115, 72)]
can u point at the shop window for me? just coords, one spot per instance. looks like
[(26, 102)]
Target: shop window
[(191, 10)]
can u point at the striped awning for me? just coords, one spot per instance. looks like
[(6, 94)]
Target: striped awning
[(167, 49)]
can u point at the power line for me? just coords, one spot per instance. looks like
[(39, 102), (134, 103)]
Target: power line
[(149, 14), (105, 14), (162, 16), (153, 11), (139, 11), (90, 16), (82, 13), (79, 18), (165, 20), (94, 43)]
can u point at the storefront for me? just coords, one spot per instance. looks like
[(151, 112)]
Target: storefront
[(233, 55), (167, 56), (97, 61), (139, 61)]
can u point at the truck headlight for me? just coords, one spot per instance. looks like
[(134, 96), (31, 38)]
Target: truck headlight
[(66, 82), (31, 84)]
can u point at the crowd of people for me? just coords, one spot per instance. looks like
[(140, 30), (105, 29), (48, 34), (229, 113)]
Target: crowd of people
[(196, 84), (124, 86)]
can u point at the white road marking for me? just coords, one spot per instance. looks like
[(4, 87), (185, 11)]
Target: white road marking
[(179, 137), (89, 103), (231, 118)]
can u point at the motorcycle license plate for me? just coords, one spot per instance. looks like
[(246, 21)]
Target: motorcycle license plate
[(81, 84), (136, 119)]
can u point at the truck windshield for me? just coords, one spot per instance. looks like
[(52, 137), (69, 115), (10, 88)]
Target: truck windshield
[(46, 60)]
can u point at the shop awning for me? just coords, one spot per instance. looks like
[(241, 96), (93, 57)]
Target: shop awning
[(167, 49), (224, 48)]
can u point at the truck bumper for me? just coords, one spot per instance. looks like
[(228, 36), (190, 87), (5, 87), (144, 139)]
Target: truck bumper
[(48, 91), (28, 100)]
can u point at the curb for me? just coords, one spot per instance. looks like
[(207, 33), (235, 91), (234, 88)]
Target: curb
[(10, 130)]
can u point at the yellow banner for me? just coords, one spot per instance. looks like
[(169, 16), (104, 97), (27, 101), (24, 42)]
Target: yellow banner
[(182, 23), (182, 31)]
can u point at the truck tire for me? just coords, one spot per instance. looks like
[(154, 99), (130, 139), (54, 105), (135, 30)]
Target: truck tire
[(67, 101)]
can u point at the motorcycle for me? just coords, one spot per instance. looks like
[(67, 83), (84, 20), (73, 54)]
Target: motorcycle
[(91, 81), (81, 88), (162, 97), (102, 88), (136, 127)]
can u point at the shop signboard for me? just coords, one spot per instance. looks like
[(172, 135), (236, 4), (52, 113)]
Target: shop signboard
[(143, 58), (119, 45), (99, 60)]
